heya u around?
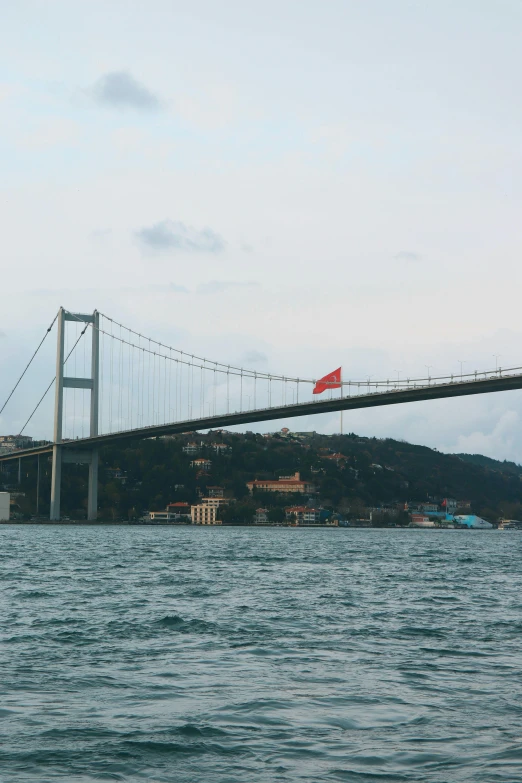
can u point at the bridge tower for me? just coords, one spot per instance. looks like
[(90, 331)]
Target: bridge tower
[(60, 455)]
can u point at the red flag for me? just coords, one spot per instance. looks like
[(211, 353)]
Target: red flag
[(330, 381)]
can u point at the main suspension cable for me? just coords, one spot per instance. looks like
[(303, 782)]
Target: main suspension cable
[(269, 377), (53, 380), (29, 364)]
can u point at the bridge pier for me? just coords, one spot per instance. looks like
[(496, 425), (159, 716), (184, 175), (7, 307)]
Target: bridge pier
[(92, 496), (56, 475), (56, 484)]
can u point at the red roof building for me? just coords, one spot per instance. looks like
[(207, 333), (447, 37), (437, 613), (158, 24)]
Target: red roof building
[(282, 484)]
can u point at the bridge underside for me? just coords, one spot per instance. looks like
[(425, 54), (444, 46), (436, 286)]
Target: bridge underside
[(441, 391)]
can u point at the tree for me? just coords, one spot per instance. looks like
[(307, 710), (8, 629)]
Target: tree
[(276, 514), (237, 513)]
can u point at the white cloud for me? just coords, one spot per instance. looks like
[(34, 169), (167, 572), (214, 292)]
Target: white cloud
[(501, 440)]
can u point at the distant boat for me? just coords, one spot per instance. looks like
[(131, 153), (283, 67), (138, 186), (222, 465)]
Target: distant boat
[(510, 524)]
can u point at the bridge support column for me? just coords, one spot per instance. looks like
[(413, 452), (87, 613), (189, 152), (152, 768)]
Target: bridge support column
[(75, 383), (92, 498), (56, 484), (56, 476)]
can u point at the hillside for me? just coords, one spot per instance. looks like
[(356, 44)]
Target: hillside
[(492, 464), (350, 474)]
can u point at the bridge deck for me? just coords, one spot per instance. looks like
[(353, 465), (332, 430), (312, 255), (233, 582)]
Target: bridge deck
[(377, 399)]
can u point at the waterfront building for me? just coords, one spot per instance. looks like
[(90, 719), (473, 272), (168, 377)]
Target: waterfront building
[(180, 509), (420, 520), (168, 517), (303, 515), (5, 506), (261, 516), (204, 515), (473, 522)]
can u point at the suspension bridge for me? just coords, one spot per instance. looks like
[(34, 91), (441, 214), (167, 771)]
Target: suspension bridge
[(112, 383)]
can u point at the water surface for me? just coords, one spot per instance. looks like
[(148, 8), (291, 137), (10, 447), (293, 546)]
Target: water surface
[(251, 656)]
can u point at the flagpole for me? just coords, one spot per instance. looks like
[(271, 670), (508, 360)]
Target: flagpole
[(341, 380)]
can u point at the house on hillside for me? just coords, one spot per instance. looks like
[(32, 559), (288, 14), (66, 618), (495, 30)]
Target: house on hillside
[(191, 449), (116, 474), (337, 457), (283, 484), (221, 448), (215, 492), (201, 464)]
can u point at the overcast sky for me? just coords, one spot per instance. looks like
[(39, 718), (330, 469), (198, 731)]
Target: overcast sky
[(301, 184)]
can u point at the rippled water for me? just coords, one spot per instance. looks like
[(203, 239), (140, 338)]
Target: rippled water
[(224, 655)]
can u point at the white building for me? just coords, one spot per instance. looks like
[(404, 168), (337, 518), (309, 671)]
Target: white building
[(220, 448), (303, 515), (472, 521), (215, 502), (172, 517), (5, 504), (191, 448), (449, 505), (215, 492), (420, 520), (201, 464), (204, 515)]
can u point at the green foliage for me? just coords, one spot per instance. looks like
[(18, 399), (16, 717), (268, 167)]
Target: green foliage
[(276, 514), (157, 472), (237, 513)]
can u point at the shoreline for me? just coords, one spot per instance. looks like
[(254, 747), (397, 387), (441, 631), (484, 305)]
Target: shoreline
[(109, 523)]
